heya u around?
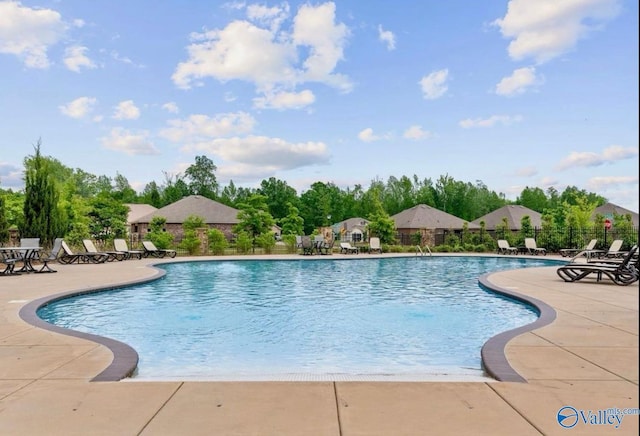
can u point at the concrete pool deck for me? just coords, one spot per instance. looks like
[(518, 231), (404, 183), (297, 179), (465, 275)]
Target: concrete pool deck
[(587, 359)]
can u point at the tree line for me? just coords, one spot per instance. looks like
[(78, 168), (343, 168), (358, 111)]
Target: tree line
[(61, 201)]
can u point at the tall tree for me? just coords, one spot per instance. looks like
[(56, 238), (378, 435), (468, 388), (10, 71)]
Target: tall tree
[(42, 218), (278, 195), (4, 224), (254, 217), (202, 177)]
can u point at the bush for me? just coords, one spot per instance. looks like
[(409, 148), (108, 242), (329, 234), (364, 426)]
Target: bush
[(190, 242), (266, 241), (217, 242), (162, 240), (290, 242), (243, 243)]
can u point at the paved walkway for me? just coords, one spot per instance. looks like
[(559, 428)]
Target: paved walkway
[(587, 359)]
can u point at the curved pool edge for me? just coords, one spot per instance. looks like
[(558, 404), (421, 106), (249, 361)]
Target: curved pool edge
[(493, 356), (125, 358)]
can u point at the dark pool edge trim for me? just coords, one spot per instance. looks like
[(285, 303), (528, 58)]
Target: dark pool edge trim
[(494, 360), (125, 358)]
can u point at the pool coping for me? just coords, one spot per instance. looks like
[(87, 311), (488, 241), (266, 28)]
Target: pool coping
[(125, 358)]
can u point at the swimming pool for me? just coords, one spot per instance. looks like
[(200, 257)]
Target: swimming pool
[(329, 319)]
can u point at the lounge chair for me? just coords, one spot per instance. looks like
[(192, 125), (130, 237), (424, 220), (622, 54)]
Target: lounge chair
[(307, 245), (111, 255), (347, 248), (151, 250), (374, 246), (505, 248), (532, 247), (572, 252), (53, 255), (621, 273), (9, 263), (613, 251), (121, 245), (68, 256)]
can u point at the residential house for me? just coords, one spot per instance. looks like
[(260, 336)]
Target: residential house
[(514, 214), (432, 224)]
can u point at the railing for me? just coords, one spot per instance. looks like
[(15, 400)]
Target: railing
[(422, 253)]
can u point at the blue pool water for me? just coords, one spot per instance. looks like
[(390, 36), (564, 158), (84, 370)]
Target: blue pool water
[(359, 317)]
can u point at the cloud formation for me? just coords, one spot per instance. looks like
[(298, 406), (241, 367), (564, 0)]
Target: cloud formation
[(387, 37), (490, 122), (128, 142), (609, 155), (75, 58), (415, 133), (546, 29), (29, 33), (434, 85), (258, 50), (518, 83), (126, 110), (79, 108)]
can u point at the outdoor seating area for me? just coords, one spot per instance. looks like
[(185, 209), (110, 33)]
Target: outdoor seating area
[(571, 252), (622, 272), (150, 250), (505, 248)]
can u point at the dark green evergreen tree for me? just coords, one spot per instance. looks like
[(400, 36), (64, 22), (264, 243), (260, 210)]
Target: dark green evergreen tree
[(42, 218)]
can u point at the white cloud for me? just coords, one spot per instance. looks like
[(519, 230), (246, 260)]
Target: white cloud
[(518, 82), (285, 100), (367, 135), (387, 37), (126, 110), (198, 128), (129, 143), (10, 175), (604, 183), (490, 122), (416, 132), (434, 85), (28, 33), (267, 56), (78, 108), (262, 150), (526, 171), (171, 107), (545, 29), (590, 159), (75, 58)]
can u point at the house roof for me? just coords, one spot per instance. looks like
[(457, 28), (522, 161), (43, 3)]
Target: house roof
[(138, 210), (608, 209), (513, 213), (427, 217), (212, 211), (350, 223)]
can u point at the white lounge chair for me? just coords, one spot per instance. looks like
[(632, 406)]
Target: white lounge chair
[(347, 248), (505, 248), (374, 245), (532, 247)]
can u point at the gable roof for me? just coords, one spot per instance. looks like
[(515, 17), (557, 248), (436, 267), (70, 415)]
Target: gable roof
[(608, 209), (513, 213), (427, 217), (349, 224), (212, 211)]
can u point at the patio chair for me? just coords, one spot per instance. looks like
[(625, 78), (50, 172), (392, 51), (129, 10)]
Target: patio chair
[(53, 255), (31, 243), (68, 256), (150, 249), (121, 245), (111, 255), (613, 251), (374, 246), (505, 248), (307, 245), (622, 273), (532, 247), (573, 252), (9, 263), (347, 248)]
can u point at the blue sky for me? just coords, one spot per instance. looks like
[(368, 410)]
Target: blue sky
[(515, 93)]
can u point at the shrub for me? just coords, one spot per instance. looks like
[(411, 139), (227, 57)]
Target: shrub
[(243, 243), (217, 242), (190, 242), (290, 242), (266, 241)]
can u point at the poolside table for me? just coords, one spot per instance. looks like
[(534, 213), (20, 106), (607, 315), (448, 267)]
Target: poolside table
[(24, 254)]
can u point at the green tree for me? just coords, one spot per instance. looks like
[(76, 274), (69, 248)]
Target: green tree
[(293, 223), (217, 241), (254, 217), (526, 228), (202, 177), (151, 195), (278, 196), (122, 191), (4, 224), (193, 222), (381, 225), (107, 217), (42, 217), (534, 199), (157, 234)]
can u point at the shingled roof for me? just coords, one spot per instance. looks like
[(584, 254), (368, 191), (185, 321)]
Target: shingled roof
[(427, 217), (212, 211), (513, 213), (608, 209)]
